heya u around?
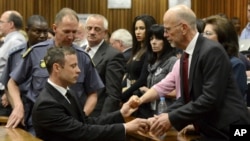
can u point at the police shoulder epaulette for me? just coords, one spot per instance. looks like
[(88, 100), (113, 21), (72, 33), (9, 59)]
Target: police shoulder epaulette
[(41, 44), (27, 52), (16, 49)]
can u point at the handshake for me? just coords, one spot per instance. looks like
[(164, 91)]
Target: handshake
[(157, 125)]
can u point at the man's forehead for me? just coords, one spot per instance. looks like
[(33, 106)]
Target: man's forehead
[(169, 19), (5, 15), (95, 22), (38, 24)]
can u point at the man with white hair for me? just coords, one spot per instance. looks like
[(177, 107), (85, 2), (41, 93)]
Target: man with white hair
[(121, 39), (80, 38)]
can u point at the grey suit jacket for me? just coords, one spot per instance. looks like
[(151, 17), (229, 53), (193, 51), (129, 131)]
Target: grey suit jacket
[(216, 102), (54, 119), (110, 64)]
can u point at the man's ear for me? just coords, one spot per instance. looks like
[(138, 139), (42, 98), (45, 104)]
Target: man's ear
[(56, 67), (54, 27)]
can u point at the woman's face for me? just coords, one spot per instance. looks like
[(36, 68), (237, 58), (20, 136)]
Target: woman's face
[(156, 44), (140, 30), (210, 33)]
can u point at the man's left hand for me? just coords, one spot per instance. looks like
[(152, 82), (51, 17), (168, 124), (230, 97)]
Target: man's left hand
[(160, 125)]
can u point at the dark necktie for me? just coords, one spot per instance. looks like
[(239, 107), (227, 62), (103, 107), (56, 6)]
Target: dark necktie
[(185, 82), (185, 77), (71, 99)]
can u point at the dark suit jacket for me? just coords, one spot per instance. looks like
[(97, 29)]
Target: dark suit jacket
[(54, 119), (127, 54), (216, 102), (110, 64)]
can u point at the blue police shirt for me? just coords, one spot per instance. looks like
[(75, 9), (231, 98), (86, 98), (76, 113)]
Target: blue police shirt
[(33, 66)]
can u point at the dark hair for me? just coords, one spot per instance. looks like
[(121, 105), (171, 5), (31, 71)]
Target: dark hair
[(226, 34), (200, 25), (56, 55), (223, 15), (167, 51), (148, 21), (35, 18), (16, 19)]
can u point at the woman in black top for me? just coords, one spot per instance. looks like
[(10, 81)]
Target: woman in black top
[(137, 65)]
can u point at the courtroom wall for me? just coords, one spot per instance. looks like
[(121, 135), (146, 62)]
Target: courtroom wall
[(122, 18)]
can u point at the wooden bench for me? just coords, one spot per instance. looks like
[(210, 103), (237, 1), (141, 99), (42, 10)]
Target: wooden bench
[(3, 120)]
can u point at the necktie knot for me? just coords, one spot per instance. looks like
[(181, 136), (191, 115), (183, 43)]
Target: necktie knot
[(68, 94), (185, 55), (88, 49)]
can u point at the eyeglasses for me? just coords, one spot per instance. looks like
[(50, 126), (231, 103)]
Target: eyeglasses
[(97, 29), (1, 22), (208, 33), (168, 29)]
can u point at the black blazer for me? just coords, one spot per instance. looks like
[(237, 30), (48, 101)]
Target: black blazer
[(216, 102), (127, 54), (54, 119), (110, 64)]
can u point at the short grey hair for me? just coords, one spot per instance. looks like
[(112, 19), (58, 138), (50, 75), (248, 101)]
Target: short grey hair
[(98, 16), (124, 36)]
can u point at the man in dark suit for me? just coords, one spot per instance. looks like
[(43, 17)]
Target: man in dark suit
[(109, 62), (57, 115), (212, 98)]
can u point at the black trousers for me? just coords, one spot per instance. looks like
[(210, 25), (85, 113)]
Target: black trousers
[(248, 95), (4, 111)]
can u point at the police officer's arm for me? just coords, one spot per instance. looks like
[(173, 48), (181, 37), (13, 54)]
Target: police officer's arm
[(90, 103), (17, 114)]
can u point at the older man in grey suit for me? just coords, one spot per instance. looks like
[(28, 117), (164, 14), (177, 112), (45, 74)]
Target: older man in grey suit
[(109, 62)]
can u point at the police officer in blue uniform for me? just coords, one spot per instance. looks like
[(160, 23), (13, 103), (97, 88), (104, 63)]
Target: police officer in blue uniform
[(32, 66), (36, 30)]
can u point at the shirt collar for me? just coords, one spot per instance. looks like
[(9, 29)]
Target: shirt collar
[(62, 90), (190, 48), (126, 49), (248, 26), (95, 48)]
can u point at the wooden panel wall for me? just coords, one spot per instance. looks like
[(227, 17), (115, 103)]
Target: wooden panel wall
[(122, 18)]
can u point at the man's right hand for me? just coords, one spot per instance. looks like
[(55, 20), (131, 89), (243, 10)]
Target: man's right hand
[(138, 124), (130, 106), (16, 117), (4, 100)]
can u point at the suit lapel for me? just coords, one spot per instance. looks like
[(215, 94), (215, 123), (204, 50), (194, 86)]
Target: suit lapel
[(62, 100), (195, 57), (98, 57), (78, 105)]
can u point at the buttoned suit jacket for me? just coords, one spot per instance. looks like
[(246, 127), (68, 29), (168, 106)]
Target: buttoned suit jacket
[(110, 64), (216, 102), (54, 119)]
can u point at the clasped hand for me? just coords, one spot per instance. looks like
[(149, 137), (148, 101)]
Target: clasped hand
[(158, 125)]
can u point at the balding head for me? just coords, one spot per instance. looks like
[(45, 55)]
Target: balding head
[(11, 21), (181, 13), (180, 25)]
